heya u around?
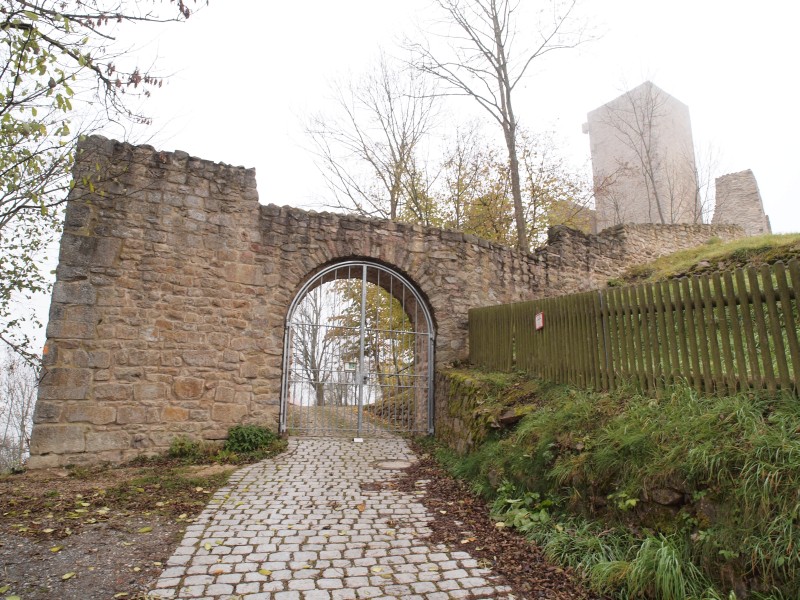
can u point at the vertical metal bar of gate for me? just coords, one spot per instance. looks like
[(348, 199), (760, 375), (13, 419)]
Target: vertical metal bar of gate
[(361, 377)]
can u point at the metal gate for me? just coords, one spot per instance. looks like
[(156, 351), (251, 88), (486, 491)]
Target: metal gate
[(358, 355)]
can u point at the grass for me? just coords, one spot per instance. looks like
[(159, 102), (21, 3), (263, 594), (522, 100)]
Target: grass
[(715, 256), (581, 475)]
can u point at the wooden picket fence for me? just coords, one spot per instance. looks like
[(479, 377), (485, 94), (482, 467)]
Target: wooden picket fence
[(721, 333)]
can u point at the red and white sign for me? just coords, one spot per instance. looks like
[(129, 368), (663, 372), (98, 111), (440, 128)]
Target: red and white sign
[(539, 321)]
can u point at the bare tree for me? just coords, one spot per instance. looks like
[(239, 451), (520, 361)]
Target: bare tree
[(18, 383), (483, 61), (367, 149), (706, 168), (60, 65), (311, 344)]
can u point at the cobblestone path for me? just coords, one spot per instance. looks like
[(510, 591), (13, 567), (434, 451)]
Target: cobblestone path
[(306, 525)]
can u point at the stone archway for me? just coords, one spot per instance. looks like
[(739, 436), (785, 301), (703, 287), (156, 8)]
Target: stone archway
[(358, 354)]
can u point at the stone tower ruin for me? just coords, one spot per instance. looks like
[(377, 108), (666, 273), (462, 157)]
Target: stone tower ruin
[(739, 203), (643, 159)]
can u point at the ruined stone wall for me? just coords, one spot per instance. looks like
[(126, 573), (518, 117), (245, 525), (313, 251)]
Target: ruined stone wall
[(575, 262), (738, 201), (173, 285)]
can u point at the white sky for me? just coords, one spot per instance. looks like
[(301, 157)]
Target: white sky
[(244, 75)]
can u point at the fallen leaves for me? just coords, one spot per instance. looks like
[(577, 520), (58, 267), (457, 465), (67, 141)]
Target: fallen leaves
[(454, 508)]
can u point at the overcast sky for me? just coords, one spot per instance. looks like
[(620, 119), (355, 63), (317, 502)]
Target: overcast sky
[(245, 75)]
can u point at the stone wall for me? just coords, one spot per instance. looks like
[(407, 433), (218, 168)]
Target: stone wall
[(576, 262), (738, 201), (173, 285)]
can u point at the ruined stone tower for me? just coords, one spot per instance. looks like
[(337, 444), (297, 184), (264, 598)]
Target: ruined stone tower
[(643, 159), (739, 203)]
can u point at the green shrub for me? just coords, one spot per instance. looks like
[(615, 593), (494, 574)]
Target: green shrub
[(248, 438), (192, 451)]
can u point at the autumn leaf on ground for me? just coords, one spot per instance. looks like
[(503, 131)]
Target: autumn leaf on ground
[(147, 529), (69, 575)]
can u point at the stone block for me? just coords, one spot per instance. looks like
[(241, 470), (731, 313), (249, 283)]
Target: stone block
[(74, 292), (200, 358), (89, 251), (64, 384), (100, 359), (70, 330), (187, 388), (90, 413), (199, 415), (245, 274), (116, 392), (47, 412), (225, 394), (58, 439), (77, 215), (102, 441), (150, 392), (228, 413), (248, 370), (174, 414), (127, 415)]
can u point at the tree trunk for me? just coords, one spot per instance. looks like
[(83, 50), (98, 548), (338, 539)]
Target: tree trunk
[(516, 192), (319, 388)]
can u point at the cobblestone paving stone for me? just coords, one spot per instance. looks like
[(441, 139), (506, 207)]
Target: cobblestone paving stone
[(301, 527)]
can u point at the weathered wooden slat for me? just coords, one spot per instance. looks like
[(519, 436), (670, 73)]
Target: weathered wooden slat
[(761, 326), (637, 351), (690, 310), (604, 344), (724, 334), (689, 369), (794, 271), (648, 344), (790, 328), (712, 335), (775, 328), (737, 331), (702, 337), (667, 342), (612, 325), (746, 311)]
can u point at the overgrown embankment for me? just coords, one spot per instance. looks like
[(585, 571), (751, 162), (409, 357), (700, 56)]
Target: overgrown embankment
[(716, 255), (668, 498)]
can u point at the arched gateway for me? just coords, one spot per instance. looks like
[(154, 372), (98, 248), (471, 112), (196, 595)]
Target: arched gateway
[(358, 354)]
